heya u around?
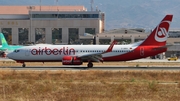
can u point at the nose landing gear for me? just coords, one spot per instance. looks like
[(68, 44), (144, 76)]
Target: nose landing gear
[(23, 65)]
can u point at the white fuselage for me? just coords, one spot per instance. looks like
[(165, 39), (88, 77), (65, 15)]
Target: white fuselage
[(57, 52)]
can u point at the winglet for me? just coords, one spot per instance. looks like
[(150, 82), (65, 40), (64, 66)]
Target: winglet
[(111, 46), (3, 40)]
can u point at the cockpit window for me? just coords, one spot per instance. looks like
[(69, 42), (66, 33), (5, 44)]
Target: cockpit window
[(16, 51)]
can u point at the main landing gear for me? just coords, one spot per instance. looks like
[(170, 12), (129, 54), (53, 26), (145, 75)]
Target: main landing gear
[(23, 65), (90, 64)]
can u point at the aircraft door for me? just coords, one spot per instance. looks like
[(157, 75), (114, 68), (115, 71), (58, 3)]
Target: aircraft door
[(141, 51), (27, 52)]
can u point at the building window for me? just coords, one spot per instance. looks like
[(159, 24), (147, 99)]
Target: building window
[(104, 41), (40, 35), (123, 41), (90, 31), (73, 36), (7, 34), (23, 35), (56, 35)]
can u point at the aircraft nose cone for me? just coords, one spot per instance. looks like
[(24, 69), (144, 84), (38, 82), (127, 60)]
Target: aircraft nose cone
[(9, 55)]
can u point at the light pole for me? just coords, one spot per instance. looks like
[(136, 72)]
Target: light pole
[(40, 5), (30, 11)]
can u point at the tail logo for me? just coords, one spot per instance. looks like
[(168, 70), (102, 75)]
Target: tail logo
[(162, 31), (3, 40)]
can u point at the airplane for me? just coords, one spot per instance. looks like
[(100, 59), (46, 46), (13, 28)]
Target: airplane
[(154, 44), (5, 48)]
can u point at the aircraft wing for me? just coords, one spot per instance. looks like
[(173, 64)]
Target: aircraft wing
[(94, 57), (97, 56)]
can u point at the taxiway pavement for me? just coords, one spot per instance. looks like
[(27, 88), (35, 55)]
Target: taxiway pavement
[(102, 67)]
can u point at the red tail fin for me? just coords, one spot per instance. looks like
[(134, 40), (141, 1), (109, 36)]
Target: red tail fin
[(160, 33)]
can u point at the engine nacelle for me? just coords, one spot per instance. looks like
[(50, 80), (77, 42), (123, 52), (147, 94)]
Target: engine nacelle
[(71, 60)]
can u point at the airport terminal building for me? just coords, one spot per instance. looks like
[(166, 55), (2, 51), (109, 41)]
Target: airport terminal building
[(49, 24)]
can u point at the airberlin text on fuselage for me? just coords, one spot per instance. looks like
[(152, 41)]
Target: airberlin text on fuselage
[(53, 51)]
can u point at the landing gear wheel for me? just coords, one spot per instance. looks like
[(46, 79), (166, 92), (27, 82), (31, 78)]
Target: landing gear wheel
[(90, 64), (23, 65)]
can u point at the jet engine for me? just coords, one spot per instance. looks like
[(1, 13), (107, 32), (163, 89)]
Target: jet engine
[(71, 60)]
